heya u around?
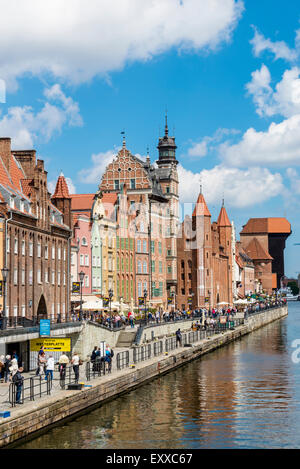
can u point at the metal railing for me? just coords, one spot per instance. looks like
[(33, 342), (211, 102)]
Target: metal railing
[(29, 389), (158, 348), (96, 368), (122, 360), (170, 344), (141, 353)]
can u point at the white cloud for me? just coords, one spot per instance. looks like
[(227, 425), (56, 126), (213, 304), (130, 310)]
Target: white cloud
[(94, 174), (278, 146), (294, 178), (79, 40), (285, 100), (241, 188), (200, 149), (25, 126), (279, 48)]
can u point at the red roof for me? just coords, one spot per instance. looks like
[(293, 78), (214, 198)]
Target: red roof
[(256, 251), (267, 225), (201, 207), (82, 202), (223, 219), (61, 190)]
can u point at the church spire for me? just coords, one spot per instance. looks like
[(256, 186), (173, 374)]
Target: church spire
[(166, 124)]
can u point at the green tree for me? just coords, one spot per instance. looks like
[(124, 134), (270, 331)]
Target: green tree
[(294, 287)]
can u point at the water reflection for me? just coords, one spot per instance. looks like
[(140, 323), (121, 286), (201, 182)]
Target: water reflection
[(245, 395)]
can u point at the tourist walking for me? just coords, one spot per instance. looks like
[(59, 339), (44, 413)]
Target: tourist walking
[(18, 381)]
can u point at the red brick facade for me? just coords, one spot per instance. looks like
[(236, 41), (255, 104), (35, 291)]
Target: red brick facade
[(36, 250)]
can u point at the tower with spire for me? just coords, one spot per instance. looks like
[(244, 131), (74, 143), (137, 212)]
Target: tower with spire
[(167, 176), (62, 200), (166, 148)]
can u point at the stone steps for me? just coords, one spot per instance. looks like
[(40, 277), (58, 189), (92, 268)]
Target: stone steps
[(125, 339)]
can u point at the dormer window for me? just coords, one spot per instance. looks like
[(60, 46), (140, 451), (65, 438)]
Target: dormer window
[(12, 201)]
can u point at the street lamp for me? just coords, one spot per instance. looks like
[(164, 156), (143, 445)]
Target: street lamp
[(110, 295), (4, 271), (145, 303), (81, 278)]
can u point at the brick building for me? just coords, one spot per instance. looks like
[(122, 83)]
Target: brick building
[(204, 259), (152, 204), (263, 239), (37, 234)]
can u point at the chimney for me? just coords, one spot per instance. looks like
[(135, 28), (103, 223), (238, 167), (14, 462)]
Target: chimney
[(5, 152), (27, 159)]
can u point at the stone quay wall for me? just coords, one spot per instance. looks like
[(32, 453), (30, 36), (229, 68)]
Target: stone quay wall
[(69, 404)]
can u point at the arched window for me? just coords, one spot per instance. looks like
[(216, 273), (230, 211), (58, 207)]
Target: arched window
[(144, 267), (139, 267)]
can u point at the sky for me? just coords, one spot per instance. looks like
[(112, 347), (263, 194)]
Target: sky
[(75, 74)]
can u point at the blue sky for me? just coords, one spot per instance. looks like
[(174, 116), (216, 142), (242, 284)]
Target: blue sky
[(227, 71)]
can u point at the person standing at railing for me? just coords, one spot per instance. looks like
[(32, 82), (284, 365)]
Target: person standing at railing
[(75, 362), (62, 365), (41, 363), (108, 358), (178, 337), (13, 367), (18, 381), (49, 367)]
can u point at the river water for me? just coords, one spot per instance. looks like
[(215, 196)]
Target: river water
[(244, 395)]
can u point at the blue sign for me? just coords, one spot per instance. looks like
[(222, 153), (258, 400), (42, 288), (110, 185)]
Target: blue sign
[(44, 327)]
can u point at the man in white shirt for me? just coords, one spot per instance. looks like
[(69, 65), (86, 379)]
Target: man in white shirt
[(75, 363), (49, 367)]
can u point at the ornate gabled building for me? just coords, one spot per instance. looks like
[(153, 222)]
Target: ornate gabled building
[(37, 233), (204, 259), (152, 194)]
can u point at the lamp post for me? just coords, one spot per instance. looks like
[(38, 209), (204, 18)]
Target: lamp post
[(81, 278), (4, 271), (110, 295), (145, 303)]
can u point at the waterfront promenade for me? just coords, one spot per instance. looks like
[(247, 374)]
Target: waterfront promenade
[(48, 410)]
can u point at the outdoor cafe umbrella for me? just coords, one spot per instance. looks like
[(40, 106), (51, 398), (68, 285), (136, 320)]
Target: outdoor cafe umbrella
[(241, 301)]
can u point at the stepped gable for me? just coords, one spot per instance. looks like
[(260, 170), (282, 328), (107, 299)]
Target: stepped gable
[(256, 252)]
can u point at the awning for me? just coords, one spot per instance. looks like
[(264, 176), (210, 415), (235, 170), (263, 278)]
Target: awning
[(91, 305), (85, 298)]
